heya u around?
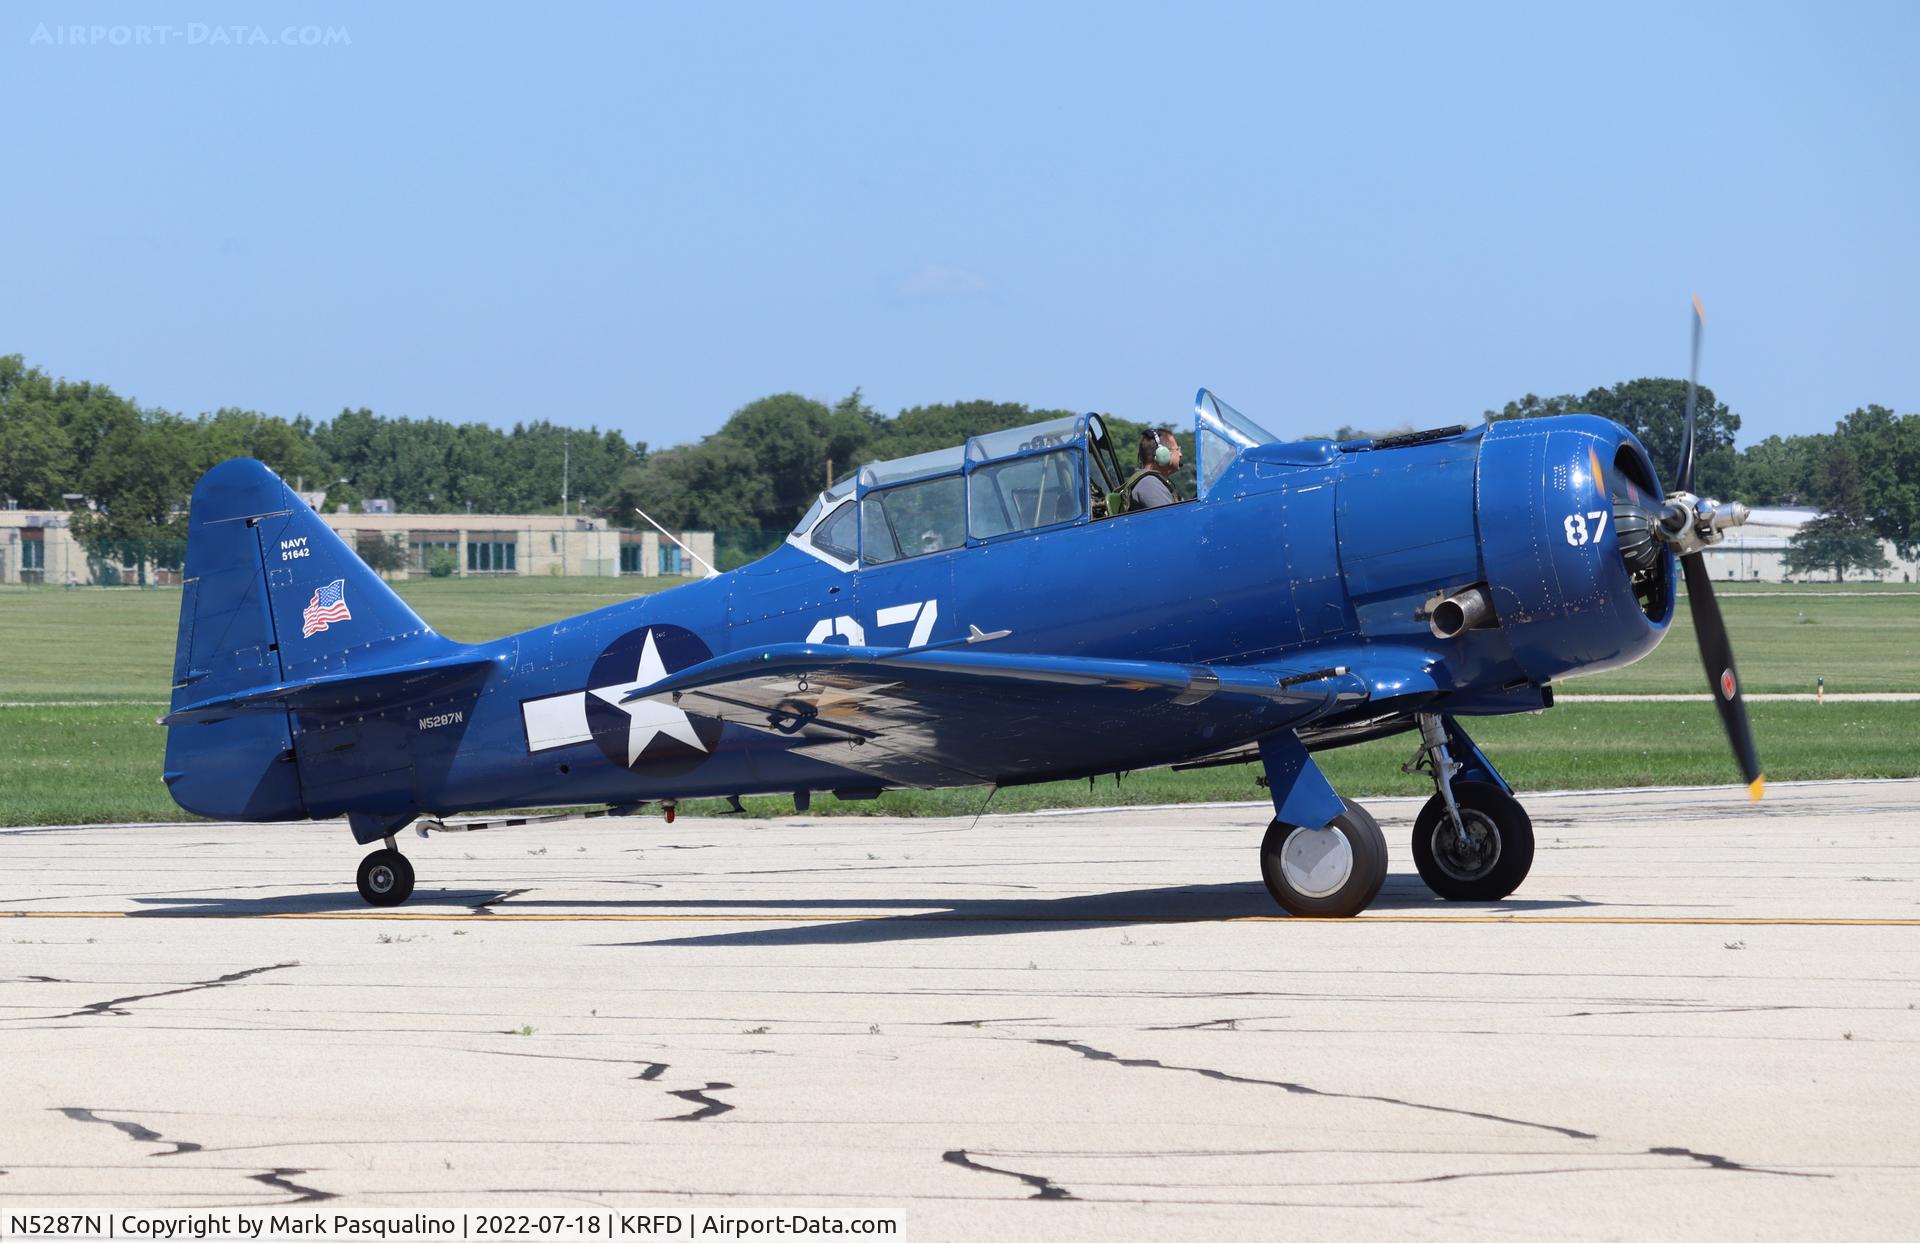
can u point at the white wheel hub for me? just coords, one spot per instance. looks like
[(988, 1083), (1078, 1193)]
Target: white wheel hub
[(1316, 862)]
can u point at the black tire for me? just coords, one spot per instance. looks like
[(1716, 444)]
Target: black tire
[(386, 878), (1501, 834), (1347, 896), (1355, 809)]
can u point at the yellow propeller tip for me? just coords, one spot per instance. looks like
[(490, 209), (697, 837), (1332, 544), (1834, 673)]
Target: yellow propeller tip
[(1758, 788), (1699, 310)]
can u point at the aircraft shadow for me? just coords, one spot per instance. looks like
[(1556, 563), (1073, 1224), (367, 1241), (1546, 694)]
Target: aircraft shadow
[(331, 900), (1183, 904), (930, 918)]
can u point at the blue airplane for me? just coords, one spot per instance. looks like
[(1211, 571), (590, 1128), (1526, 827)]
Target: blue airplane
[(988, 614)]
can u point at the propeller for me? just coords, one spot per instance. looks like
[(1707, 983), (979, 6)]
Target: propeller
[(1683, 474), (1688, 525), (1716, 653)]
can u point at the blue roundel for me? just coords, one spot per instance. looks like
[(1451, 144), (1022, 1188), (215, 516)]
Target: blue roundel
[(650, 738)]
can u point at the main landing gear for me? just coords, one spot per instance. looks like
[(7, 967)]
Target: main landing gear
[(386, 877), (1324, 856), (1328, 872), (1472, 842)]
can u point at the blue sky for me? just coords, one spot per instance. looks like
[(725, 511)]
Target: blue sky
[(645, 216)]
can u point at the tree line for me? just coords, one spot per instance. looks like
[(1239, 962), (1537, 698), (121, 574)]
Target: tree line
[(135, 466), (760, 470)]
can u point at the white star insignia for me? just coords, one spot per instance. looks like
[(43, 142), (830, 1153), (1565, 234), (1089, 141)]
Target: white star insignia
[(646, 718)]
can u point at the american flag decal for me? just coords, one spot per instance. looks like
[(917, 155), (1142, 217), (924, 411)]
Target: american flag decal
[(329, 605)]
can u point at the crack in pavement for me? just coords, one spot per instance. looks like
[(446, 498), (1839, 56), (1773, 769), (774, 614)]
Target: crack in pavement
[(112, 1005), (709, 1107), (1021, 1018), (649, 1073), (653, 1069), (281, 1177), (278, 1177), (132, 1130), (1301, 1089), (1717, 1162), (1044, 1188)]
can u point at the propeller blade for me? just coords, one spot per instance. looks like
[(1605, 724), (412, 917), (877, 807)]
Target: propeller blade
[(1722, 679), (1683, 476)]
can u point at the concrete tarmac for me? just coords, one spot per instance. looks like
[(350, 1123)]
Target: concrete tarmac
[(1696, 1019)]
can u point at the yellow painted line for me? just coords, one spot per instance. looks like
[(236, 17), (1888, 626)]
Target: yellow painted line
[(1788, 921), (530, 917)]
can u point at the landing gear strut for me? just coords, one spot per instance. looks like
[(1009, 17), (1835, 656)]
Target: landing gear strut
[(386, 877), (1472, 842)]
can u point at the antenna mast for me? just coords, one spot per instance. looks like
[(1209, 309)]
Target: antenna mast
[(676, 539)]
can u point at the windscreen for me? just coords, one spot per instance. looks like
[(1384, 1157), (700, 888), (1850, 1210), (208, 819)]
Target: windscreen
[(841, 489), (1220, 433)]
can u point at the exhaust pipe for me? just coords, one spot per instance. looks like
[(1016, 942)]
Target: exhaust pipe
[(1451, 616)]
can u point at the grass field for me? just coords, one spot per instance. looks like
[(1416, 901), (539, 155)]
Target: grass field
[(116, 643), (84, 673), (1859, 637)]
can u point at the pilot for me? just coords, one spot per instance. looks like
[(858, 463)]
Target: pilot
[(1150, 486)]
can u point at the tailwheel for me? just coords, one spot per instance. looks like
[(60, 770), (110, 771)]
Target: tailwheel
[(1328, 873), (386, 878), (1486, 856)]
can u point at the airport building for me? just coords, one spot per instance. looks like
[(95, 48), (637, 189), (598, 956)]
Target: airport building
[(1757, 552), (37, 546), (486, 545)]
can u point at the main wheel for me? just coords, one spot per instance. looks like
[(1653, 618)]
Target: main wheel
[(1495, 855), (386, 878), (1328, 873)]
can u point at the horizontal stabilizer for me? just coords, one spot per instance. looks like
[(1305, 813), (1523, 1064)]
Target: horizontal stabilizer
[(338, 692)]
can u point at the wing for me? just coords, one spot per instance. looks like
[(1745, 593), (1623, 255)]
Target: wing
[(926, 717)]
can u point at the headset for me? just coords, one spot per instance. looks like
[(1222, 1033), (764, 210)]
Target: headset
[(1162, 456)]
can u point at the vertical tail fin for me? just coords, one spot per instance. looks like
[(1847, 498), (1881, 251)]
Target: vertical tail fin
[(271, 595)]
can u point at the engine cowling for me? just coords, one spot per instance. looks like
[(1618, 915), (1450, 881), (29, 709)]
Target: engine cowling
[(1573, 570)]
